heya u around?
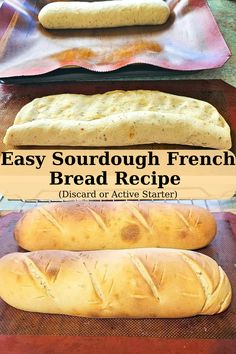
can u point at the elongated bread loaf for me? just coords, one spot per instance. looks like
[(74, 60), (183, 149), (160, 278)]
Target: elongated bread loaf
[(98, 14), (123, 283), (106, 225), (119, 118)]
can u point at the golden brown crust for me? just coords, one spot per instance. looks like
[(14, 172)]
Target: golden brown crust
[(122, 283), (96, 225)]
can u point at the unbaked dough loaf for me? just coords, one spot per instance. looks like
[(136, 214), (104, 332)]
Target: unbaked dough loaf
[(98, 14), (106, 225), (124, 283), (119, 118)]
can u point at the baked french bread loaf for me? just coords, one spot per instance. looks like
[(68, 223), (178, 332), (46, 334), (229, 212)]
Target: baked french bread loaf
[(118, 118), (107, 225), (122, 283), (99, 14)]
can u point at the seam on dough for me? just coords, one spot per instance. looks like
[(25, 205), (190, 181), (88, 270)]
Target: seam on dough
[(96, 286), (138, 215), (130, 94), (98, 220), (145, 275), (51, 219)]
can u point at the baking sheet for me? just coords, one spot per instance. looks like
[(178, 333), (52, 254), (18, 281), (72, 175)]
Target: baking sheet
[(222, 326), (221, 95), (190, 40)]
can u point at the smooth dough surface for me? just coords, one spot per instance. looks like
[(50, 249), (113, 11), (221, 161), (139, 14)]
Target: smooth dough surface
[(99, 14), (124, 283), (119, 118)]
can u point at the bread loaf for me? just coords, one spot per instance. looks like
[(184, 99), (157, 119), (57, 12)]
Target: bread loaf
[(98, 14), (122, 283), (118, 118), (107, 225)]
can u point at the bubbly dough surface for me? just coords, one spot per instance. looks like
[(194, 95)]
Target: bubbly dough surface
[(119, 118)]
